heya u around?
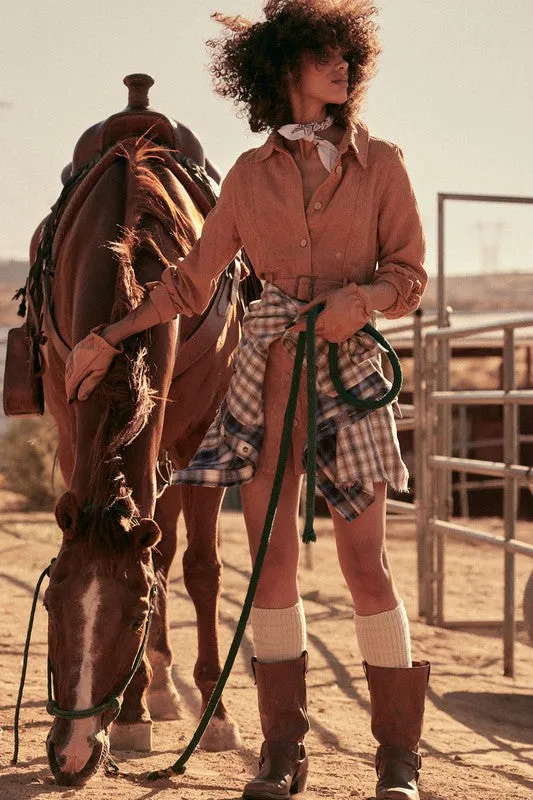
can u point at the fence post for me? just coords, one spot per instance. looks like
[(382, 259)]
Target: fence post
[(419, 449), (510, 501), (429, 481), (443, 480)]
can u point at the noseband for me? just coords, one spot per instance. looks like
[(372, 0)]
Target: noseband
[(113, 702)]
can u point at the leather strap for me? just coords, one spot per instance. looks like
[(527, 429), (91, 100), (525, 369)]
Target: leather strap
[(212, 324), (306, 287), (386, 753), (50, 328)]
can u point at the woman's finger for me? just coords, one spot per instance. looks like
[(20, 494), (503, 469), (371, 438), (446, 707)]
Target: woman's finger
[(321, 298)]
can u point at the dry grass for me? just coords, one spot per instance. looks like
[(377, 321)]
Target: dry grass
[(28, 462)]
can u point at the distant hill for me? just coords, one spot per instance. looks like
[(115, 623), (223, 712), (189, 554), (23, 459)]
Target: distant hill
[(13, 272), (506, 291), (13, 275)]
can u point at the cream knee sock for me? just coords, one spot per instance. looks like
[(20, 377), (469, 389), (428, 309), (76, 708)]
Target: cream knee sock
[(279, 633), (384, 639)]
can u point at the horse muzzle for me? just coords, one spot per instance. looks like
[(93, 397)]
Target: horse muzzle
[(75, 756)]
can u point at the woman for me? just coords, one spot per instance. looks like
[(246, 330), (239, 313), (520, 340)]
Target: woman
[(326, 213)]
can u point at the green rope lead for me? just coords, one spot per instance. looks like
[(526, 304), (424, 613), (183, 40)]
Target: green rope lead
[(42, 576), (369, 403), (179, 766), (309, 535)]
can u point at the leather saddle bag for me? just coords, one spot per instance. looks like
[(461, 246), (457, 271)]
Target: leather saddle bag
[(23, 384)]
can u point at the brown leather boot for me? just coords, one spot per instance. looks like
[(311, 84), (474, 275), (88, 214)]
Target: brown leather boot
[(283, 712), (397, 710)]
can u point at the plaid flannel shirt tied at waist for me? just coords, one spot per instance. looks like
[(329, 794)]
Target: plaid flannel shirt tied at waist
[(230, 449)]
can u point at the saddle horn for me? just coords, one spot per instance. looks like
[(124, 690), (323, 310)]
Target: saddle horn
[(138, 85)]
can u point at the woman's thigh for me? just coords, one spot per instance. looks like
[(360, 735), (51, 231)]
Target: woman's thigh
[(278, 586)]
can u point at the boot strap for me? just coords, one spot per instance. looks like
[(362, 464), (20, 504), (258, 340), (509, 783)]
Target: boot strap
[(390, 753), (295, 750)]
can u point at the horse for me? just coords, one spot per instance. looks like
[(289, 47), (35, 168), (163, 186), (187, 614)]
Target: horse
[(122, 218)]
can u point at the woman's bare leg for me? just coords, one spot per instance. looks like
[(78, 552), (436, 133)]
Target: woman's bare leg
[(278, 584), (363, 557)]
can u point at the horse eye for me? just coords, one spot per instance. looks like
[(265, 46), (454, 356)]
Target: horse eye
[(138, 624)]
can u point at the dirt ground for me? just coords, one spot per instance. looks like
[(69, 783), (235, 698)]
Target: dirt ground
[(478, 736)]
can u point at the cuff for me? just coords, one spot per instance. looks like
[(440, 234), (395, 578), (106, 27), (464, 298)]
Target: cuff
[(409, 295), (355, 292), (162, 302)]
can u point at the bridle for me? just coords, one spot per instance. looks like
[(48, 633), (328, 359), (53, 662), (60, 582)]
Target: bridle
[(113, 702)]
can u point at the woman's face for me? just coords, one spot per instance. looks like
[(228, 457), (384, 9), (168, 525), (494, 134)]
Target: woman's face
[(324, 80)]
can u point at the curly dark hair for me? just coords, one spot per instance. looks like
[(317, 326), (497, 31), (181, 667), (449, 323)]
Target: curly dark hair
[(251, 62)]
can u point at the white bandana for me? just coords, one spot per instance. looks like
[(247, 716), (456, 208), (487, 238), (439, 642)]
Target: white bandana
[(327, 152)]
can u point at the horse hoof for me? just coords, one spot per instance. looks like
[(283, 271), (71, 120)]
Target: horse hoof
[(221, 734), (136, 736), (165, 704)]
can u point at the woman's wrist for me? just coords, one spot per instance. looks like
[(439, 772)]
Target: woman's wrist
[(143, 317), (111, 334), (381, 295)]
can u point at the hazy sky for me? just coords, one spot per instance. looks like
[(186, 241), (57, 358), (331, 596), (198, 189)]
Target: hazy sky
[(454, 89)]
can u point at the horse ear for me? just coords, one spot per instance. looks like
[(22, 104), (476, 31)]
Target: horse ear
[(146, 534), (67, 513)]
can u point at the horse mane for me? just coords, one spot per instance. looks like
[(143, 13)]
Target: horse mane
[(126, 391)]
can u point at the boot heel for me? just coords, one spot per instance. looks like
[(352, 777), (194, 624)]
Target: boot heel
[(299, 783)]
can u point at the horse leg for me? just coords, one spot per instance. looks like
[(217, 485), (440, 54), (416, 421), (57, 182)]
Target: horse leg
[(132, 730), (202, 576), (163, 698)]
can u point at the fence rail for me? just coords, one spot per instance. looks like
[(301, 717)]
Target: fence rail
[(433, 450)]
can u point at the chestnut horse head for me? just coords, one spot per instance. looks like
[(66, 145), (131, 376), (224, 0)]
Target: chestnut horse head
[(129, 216), (99, 615)]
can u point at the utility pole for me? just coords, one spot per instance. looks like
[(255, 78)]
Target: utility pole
[(490, 236)]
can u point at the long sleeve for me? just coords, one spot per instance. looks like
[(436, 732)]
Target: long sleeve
[(401, 246), (192, 283)]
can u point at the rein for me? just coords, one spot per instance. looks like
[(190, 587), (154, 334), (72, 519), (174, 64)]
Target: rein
[(112, 703)]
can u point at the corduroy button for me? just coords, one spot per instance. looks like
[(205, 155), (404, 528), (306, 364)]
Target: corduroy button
[(304, 243), (317, 206), (338, 170)]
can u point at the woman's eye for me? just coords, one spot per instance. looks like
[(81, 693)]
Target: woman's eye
[(138, 624)]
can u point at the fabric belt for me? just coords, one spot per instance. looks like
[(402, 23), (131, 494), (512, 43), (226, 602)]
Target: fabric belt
[(306, 287)]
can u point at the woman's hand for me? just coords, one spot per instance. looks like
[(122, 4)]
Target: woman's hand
[(91, 358), (347, 310), (87, 364)]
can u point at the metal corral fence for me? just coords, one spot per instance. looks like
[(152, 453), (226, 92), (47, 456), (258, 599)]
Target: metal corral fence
[(430, 420), (435, 452)]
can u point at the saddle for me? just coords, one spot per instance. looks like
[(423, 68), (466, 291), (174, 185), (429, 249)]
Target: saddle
[(137, 120)]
